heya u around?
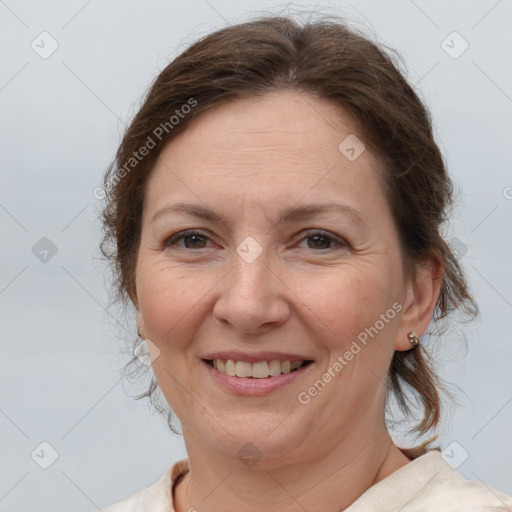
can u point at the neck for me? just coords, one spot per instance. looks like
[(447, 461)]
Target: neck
[(330, 482)]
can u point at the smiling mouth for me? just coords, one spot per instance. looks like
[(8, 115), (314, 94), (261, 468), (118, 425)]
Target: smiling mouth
[(258, 370)]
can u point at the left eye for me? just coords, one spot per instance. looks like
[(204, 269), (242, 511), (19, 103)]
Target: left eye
[(320, 239)]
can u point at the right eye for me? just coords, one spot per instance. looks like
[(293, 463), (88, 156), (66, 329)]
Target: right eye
[(192, 240)]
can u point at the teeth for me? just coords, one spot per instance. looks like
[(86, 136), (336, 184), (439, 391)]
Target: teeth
[(230, 368), (259, 370), (274, 368), (243, 369)]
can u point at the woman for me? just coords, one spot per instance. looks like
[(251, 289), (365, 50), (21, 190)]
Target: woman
[(274, 215)]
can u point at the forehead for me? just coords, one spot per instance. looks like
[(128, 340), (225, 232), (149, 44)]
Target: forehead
[(284, 141)]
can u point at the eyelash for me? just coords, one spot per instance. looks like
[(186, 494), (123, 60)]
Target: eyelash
[(308, 234)]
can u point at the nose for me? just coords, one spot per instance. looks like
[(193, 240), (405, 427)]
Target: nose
[(252, 297)]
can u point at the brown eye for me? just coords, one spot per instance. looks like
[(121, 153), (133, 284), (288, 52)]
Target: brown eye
[(196, 241), (191, 240), (321, 240)]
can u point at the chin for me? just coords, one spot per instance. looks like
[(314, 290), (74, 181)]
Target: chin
[(253, 441)]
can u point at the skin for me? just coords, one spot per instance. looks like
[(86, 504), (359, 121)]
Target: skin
[(247, 160)]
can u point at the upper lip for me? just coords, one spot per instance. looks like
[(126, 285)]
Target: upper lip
[(237, 355)]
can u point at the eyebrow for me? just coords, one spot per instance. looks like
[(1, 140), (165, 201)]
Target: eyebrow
[(288, 215)]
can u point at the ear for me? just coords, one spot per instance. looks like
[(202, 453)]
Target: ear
[(140, 324), (423, 290)]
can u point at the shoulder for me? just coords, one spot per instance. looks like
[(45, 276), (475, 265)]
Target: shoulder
[(429, 484), (460, 496), (449, 491), (155, 498), (130, 504), (136, 502)]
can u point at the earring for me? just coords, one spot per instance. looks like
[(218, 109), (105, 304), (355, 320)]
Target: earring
[(139, 333), (413, 339)]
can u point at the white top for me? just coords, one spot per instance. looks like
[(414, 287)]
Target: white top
[(426, 484)]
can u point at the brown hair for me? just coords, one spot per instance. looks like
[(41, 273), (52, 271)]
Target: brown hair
[(329, 60)]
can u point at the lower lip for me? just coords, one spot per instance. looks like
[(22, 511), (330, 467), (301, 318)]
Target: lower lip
[(250, 386)]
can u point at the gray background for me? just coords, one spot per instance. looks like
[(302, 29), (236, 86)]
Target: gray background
[(61, 119)]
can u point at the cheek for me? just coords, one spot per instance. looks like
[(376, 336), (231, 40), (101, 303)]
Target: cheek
[(352, 310), (167, 300)]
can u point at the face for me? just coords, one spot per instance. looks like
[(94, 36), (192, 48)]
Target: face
[(283, 251)]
